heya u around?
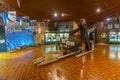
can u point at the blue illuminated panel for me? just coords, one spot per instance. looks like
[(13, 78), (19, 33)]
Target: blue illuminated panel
[(19, 38), (13, 35)]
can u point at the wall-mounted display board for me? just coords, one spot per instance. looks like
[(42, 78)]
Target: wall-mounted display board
[(12, 34), (18, 35)]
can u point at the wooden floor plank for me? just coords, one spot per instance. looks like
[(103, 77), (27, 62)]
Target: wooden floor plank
[(102, 64)]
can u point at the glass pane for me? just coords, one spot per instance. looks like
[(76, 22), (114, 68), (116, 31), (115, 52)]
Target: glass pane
[(118, 36), (113, 37)]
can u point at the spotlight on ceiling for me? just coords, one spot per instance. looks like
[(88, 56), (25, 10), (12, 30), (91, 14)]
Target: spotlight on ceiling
[(55, 14), (98, 10)]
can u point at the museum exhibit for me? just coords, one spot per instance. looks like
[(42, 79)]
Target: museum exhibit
[(59, 40)]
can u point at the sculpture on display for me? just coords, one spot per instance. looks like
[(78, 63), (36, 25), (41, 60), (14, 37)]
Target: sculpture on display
[(82, 37)]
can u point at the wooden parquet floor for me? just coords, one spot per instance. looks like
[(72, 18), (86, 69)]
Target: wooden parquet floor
[(102, 64)]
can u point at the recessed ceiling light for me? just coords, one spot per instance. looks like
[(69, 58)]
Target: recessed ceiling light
[(98, 10), (62, 14), (55, 14)]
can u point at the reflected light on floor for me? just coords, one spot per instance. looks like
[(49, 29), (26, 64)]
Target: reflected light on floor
[(92, 56), (83, 66), (50, 48), (81, 73), (84, 59), (113, 52), (56, 74), (118, 55), (104, 52)]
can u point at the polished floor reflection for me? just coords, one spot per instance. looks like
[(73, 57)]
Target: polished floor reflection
[(102, 64)]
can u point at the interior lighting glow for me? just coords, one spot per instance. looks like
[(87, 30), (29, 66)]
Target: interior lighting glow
[(62, 14), (55, 14), (98, 10), (108, 19)]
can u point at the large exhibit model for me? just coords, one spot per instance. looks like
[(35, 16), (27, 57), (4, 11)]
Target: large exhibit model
[(16, 32), (70, 46)]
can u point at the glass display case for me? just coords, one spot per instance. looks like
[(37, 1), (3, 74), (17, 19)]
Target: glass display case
[(51, 36), (118, 36), (113, 37), (63, 35)]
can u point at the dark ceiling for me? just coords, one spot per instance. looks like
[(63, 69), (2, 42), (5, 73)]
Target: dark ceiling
[(73, 9)]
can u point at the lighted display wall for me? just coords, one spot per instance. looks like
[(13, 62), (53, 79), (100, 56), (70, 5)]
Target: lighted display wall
[(18, 38), (114, 36), (13, 35)]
